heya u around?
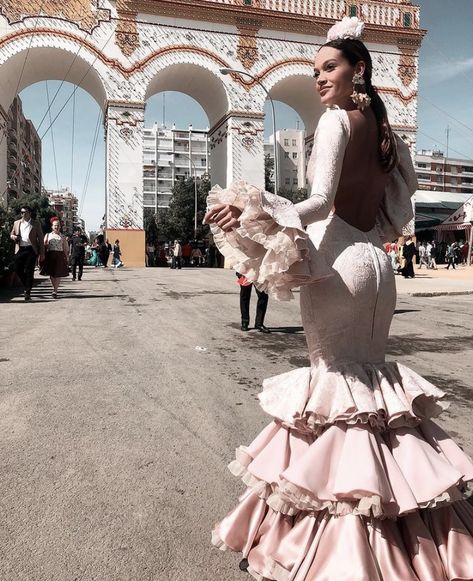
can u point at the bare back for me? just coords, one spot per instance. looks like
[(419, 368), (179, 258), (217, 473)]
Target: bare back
[(362, 180)]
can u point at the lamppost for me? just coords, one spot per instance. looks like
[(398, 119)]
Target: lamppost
[(195, 192), (226, 71)]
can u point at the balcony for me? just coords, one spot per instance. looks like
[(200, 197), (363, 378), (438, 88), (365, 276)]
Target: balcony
[(392, 13)]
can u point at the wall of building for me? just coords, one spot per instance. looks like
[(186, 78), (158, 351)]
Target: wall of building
[(437, 172)]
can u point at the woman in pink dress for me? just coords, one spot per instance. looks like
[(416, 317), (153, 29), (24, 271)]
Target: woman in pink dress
[(352, 480)]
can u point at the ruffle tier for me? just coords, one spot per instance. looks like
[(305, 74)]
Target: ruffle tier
[(428, 545), (352, 462), (382, 395), (270, 247)]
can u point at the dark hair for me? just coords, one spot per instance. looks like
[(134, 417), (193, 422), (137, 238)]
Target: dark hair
[(27, 208), (355, 51), (117, 241)]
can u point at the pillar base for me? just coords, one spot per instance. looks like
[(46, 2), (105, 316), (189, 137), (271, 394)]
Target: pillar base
[(132, 245)]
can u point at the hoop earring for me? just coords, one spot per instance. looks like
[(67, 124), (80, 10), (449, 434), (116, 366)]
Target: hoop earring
[(360, 98)]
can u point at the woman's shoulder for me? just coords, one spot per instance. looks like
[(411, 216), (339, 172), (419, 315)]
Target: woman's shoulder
[(334, 119)]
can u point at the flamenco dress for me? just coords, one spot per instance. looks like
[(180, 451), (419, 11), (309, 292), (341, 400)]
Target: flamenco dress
[(351, 480)]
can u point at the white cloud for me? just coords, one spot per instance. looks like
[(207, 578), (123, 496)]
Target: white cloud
[(439, 73)]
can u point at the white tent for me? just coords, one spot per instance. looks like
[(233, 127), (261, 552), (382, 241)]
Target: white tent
[(461, 219)]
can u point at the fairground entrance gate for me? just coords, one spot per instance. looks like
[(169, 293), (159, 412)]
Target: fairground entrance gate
[(124, 52)]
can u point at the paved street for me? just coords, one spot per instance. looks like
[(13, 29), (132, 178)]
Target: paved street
[(122, 402)]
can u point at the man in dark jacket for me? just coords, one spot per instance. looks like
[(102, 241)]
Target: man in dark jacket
[(29, 246)]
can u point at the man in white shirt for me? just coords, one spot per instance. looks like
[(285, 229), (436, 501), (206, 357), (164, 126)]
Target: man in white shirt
[(29, 245), (176, 255)]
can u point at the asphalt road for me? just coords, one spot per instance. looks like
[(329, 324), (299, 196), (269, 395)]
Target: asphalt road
[(122, 402)]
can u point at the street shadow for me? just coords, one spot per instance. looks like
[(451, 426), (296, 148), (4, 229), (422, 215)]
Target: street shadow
[(399, 345), (287, 330), (402, 311)]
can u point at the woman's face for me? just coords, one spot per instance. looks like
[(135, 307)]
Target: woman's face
[(56, 226), (334, 77)]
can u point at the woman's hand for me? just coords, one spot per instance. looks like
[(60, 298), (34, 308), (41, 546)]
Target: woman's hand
[(224, 216)]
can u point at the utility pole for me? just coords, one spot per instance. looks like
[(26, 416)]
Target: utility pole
[(445, 160)]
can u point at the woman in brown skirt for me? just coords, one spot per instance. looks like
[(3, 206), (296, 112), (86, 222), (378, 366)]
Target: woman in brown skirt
[(55, 264)]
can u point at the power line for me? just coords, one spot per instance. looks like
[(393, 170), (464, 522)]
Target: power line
[(463, 155), (91, 161), (52, 139), (73, 131)]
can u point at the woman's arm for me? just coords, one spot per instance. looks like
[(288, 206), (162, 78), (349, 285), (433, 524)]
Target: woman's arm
[(325, 165)]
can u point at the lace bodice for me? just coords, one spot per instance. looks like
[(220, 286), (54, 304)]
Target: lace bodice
[(55, 244)]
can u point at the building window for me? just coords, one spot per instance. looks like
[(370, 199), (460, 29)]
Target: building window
[(467, 168), (294, 181), (294, 155), (286, 155), (203, 162), (294, 142), (407, 19), (287, 181), (286, 142), (247, 2), (352, 10), (421, 164)]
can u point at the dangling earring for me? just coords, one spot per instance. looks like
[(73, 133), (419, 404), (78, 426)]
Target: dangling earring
[(360, 98)]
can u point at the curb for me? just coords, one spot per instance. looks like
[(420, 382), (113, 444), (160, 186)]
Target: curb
[(439, 293)]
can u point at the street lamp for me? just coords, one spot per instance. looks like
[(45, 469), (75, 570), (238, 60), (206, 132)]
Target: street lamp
[(227, 71), (195, 192)]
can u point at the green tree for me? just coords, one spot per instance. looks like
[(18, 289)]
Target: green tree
[(6, 244), (294, 195), (268, 173), (40, 209), (177, 222), (150, 225)]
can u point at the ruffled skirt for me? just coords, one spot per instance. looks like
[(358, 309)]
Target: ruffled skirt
[(370, 490)]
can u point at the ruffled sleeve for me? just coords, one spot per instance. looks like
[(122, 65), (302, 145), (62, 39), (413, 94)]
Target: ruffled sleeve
[(270, 247), (396, 209)]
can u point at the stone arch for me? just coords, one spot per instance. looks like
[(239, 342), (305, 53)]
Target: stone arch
[(194, 74), (292, 83), (42, 60)]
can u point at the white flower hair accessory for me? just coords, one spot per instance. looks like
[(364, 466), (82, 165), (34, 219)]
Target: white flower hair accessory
[(346, 28)]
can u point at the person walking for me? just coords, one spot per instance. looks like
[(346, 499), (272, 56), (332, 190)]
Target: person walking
[(432, 254), (176, 255), (29, 246), (55, 264), (408, 253), (117, 253), (261, 305), (345, 481), (77, 253), (423, 259), (150, 253), (451, 256)]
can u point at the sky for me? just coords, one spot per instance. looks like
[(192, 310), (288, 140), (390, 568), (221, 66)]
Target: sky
[(444, 104)]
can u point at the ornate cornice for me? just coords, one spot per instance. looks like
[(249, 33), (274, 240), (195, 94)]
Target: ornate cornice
[(235, 113), (232, 14), (85, 14)]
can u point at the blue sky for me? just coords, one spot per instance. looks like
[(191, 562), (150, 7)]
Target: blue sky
[(446, 83)]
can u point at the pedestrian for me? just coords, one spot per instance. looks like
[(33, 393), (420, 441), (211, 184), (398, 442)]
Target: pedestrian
[(77, 253), (150, 250), (423, 259), (464, 252), (261, 305), (196, 257), (432, 254), (408, 253), (103, 251), (344, 482), (29, 246), (451, 256), (393, 254), (186, 253), (176, 255), (55, 264), (117, 253)]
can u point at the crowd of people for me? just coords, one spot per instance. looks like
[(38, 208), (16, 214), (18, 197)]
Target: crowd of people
[(56, 254), (176, 254), (426, 253)]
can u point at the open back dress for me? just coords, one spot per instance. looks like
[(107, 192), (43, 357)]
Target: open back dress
[(351, 480)]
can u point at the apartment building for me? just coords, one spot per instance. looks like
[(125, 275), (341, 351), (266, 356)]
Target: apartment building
[(436, 172), (65, 205), (170, 155), (291, 152), (23, 154)]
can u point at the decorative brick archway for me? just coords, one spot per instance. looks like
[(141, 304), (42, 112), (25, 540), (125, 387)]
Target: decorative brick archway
[(122, 53)]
